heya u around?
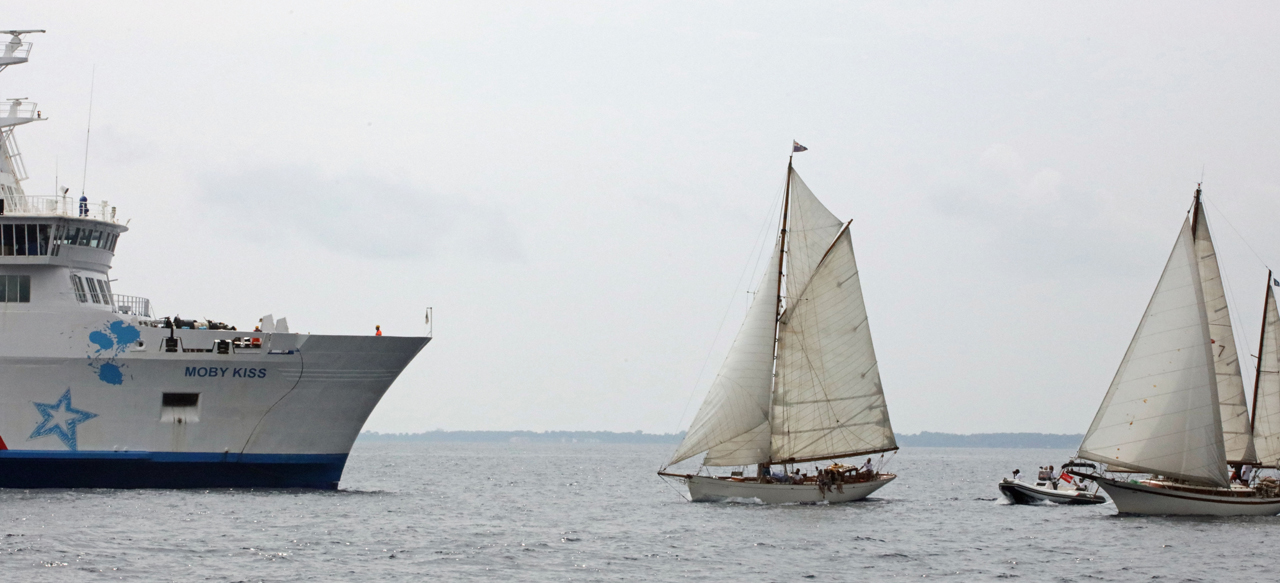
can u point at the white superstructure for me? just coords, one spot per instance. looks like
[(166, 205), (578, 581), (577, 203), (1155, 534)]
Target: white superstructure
[(96, 390)]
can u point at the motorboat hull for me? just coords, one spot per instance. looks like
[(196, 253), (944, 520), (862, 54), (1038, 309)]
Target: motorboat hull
[(1137, 498), (709, 489), (1022, 493)]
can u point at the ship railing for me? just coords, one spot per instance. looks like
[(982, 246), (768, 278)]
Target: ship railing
[(19, 108), (14, 50), (134, 305), (64, 206), (19, 112)]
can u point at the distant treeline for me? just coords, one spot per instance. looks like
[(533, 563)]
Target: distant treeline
[(1007, 440), (922, 439), (527, 436)]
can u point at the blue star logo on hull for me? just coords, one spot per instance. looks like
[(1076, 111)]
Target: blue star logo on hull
[(60, 419)]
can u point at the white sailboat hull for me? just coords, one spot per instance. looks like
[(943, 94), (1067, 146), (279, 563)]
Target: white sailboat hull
[(708, 489), (1131, 498)]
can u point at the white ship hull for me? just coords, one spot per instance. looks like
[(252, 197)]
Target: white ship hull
[(282, 415), (708, 489), (1131, 498)]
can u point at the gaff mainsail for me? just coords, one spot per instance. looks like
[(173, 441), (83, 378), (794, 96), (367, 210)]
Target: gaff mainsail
[(823, 400)]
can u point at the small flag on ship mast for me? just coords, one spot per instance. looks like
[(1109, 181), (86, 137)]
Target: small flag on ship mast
[(796, 147)]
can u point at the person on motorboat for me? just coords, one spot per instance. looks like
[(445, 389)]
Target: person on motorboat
[(1017, 475)]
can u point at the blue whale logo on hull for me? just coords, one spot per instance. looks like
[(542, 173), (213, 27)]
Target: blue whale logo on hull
[(110, 342)]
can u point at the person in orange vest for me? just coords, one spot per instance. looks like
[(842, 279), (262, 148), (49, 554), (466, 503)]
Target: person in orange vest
[(378, 329)]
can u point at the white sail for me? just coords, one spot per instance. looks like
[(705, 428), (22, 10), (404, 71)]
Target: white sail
[(1237, 437), (751, 447), (809, 233), (828, 401), (1161, 414), (738, 403), (1266, 401)]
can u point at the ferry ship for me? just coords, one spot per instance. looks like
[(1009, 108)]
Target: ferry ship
[(98, 391)]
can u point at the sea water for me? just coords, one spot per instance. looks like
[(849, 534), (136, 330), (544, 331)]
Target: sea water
[(597, 512)]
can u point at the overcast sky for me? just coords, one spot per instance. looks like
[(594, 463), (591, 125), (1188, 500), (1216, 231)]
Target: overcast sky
[(578, 188)]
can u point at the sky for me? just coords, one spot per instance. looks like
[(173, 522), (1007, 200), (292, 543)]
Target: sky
[(580, 190)]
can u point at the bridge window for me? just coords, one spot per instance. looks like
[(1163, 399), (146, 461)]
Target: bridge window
[(22, 240), (78, 285), (104, 289), (93, 290), (15, 288)]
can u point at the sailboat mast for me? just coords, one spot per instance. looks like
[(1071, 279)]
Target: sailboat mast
[(1257, 370), (1195, 211), (777, 311), (786, 206)]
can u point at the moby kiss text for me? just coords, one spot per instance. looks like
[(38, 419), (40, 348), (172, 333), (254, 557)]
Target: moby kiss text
[(217, 371)]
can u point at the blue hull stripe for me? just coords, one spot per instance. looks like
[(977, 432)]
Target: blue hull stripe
[(148, 469)]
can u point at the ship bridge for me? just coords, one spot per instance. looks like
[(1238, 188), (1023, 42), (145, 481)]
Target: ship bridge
[(55, 251), (38, 233)]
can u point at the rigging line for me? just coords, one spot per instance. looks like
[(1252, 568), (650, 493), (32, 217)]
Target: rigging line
[(720, 329), (1237, 232), (677, 490), (88, 126)]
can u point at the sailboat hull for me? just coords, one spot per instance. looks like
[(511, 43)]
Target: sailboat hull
[(708, 489), (1137, 498)]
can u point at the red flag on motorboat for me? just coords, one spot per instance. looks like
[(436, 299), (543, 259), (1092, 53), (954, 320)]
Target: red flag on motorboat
[(1066, 478)]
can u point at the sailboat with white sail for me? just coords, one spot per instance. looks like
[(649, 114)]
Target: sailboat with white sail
[(801, 382), (1176, 408)]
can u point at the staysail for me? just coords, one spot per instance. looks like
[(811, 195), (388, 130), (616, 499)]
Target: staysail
[(828, 402), (1161, 414), (733, 420), (1266, 396), (1237, 436)]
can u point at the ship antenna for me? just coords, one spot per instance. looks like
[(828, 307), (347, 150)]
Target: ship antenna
[(88, 126)]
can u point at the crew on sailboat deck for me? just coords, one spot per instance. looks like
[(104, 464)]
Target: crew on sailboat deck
[(1243, 474)]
